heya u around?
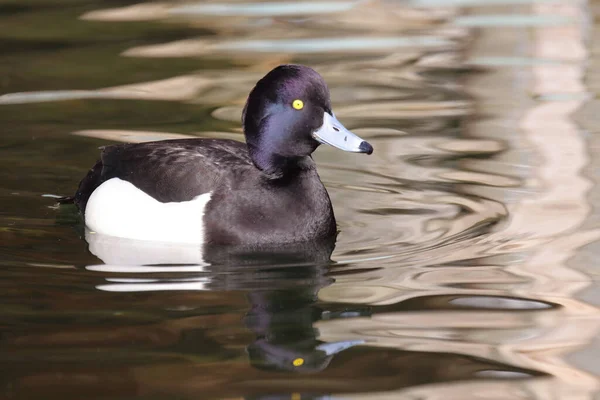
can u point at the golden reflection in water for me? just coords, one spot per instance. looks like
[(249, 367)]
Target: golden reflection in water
[(542, 233)]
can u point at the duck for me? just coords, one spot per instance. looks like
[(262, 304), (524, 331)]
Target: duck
[(265, 191)]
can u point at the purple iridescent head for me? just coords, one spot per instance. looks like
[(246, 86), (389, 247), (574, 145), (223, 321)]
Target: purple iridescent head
[(288, 115)]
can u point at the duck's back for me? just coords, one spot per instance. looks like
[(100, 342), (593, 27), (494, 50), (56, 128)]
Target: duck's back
[(170, 170)]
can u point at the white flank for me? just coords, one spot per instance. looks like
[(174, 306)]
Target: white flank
[(118, 208)]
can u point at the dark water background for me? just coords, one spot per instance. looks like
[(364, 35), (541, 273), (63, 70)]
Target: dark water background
[(467, 263)]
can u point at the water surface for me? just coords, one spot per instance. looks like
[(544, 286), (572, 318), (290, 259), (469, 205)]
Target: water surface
[(466, 264)]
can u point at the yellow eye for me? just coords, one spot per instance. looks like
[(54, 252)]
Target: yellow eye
[(298, 361), (298, 104)]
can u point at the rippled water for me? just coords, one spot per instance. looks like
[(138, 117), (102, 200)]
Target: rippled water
[(467, 262)]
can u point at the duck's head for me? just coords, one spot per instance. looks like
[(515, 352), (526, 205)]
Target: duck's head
[(288, 115)]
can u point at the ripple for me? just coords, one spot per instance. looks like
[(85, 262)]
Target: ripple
[(199, 47), (173, 89), (264, 9), (152, 11), (513, 20), (471, 146), (475, 3), (499, 303)]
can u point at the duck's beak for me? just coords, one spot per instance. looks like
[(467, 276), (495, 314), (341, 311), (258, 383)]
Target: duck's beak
[(333, 133)]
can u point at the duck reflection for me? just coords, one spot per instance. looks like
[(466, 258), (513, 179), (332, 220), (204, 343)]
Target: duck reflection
[(286, 340), (281, 282)]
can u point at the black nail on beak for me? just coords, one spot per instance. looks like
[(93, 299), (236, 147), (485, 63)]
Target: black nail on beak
[(365, 147)]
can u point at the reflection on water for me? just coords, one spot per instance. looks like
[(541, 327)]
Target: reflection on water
[(466, 262)]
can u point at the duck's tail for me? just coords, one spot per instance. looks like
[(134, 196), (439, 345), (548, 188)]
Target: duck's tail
[(66, 200)]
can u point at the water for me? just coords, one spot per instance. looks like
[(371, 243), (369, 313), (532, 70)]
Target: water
[(466, 265)]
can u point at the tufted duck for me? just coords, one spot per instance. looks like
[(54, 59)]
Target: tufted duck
[(266, 191)]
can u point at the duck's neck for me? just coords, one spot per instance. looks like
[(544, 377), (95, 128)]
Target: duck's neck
[(276, 166)]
